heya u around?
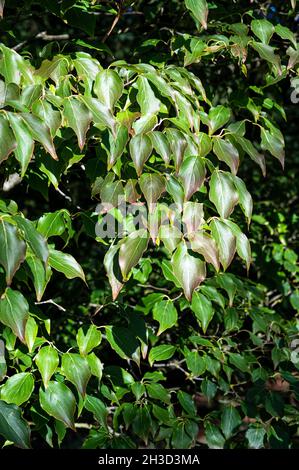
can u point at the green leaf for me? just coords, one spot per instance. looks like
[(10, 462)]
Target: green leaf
[(78, 118), (140, 150), (52, 223), (131, 250), (196, 363), (187, 403), (267, 53), (161, 353), (158, 392), (263, 29), (223, 193), (178, 146), (95, 365), (286, 33), (225, 241), (192, 175), (66, 264), (189, 271), (161, 145), (40, 132), (200, 11), (146, 98), (203, 309), (203, 243), (14, 312), (123, 342), (245, 199), (113, 270), (249, 148), (226, 152), (100, 113), (166, 314), (97, 408), (13, 427), (47, 361), (24, 141), (58, 401), (87, 342), (176, 191), (255, 436), (217, 118), (243, 245), (274, 143), (52, 118), (18, 388), (41, 275), (230, 420), (12, 249), (193, 216), (152, 186), (36, 241), (31, 333), (214, 437), (108, 87), (170, 236), (117, 145), (76, 370)]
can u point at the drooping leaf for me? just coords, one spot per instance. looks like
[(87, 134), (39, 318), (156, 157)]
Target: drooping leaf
[(58, 401), (166, 314), (161, 353), (140, 150), (274, 143), (40, 132), (189, 270), (178, 145), (203, 243), (24, 141), (78, 117), (161, 145), (263, 29), (47, 361), (226, 152), (101, 114), (35, 240), (8, 141), (113, 270), (76, 370), (146, 98), (117, 145), (218, 117), (66, 264), (131, 250), (230, 420), (12, 249), (12, 426), (193, 216), (223, 193), (14, 312), (249, 148), (108, 87), (200, 10), (225, 241), (31, 333), (245, 199), (41, 275), (18, 388), (87, 342), (192, 174), (152, 185), (203, 309), (123, 342)]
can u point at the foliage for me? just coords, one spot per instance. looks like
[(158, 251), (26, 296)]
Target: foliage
[(127, 166)]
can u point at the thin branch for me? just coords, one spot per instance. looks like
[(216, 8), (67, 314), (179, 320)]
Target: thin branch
[(115, 21), (50, 301)]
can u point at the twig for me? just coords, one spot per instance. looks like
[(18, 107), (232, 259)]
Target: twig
[(115, 21), (50, 301)]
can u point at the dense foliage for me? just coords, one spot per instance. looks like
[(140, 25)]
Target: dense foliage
[(145, 300)]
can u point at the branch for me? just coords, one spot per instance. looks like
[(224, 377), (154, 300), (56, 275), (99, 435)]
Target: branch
[(115, 21)]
